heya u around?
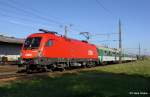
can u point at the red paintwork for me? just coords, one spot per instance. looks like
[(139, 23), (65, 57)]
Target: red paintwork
[(61, 48)]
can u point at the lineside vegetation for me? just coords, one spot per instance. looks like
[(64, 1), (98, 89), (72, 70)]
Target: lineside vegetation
[(119, 80)]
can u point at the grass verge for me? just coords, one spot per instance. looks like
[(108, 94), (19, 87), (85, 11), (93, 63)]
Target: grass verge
[(120, 80)]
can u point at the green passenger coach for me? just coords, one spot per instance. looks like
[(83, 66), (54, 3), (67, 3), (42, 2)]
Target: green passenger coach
[(111, 55)]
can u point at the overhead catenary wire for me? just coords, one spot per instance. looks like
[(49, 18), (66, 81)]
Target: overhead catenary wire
[(104, 34), (108, 41), (28, 12), (105, 9), (22, 21), (78, 29), (36, 12), (19, 20), (110, 13), (32, 13)]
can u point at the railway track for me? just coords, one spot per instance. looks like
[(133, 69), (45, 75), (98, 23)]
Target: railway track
[(7, 75)]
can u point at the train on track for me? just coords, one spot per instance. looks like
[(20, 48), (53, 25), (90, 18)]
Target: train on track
[(48, 50)]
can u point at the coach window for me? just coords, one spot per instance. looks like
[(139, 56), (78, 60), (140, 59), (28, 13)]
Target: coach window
[(106, 53), (49, 43), (114, 53), (117, 54), (109, 53)]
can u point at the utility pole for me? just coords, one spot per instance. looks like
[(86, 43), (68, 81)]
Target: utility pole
[(120, 43), (65, 31), (139, 50)]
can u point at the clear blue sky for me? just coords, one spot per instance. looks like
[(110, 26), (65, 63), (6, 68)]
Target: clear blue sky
[(19, 18)]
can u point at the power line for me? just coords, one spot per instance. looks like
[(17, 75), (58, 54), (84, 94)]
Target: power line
[(21, 18), (25, 24), (101, 5), (28, 12), (18, 17), (37, 12), (13, 19), (31, 9), (31, 13), (108, 41), (104, 34)]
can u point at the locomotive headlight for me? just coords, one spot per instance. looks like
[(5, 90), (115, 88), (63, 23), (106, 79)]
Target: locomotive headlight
[(20, 53), (39, 54)]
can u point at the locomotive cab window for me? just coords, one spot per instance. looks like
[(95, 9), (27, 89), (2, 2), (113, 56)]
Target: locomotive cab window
[(32, 43), (49, 43)]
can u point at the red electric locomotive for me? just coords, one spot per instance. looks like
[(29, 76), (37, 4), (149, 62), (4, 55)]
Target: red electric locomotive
[(48, 50)]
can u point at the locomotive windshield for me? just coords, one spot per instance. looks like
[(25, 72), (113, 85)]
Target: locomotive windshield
[(32, 43)]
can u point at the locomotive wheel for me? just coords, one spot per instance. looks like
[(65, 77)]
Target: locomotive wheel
[(84, 65), (29, 71), (90, 64), (103, 63), (46, 69), (62, 69), (39, 70)]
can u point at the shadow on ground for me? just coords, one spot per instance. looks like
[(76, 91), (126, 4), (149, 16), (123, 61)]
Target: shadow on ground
[(82, 84)]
